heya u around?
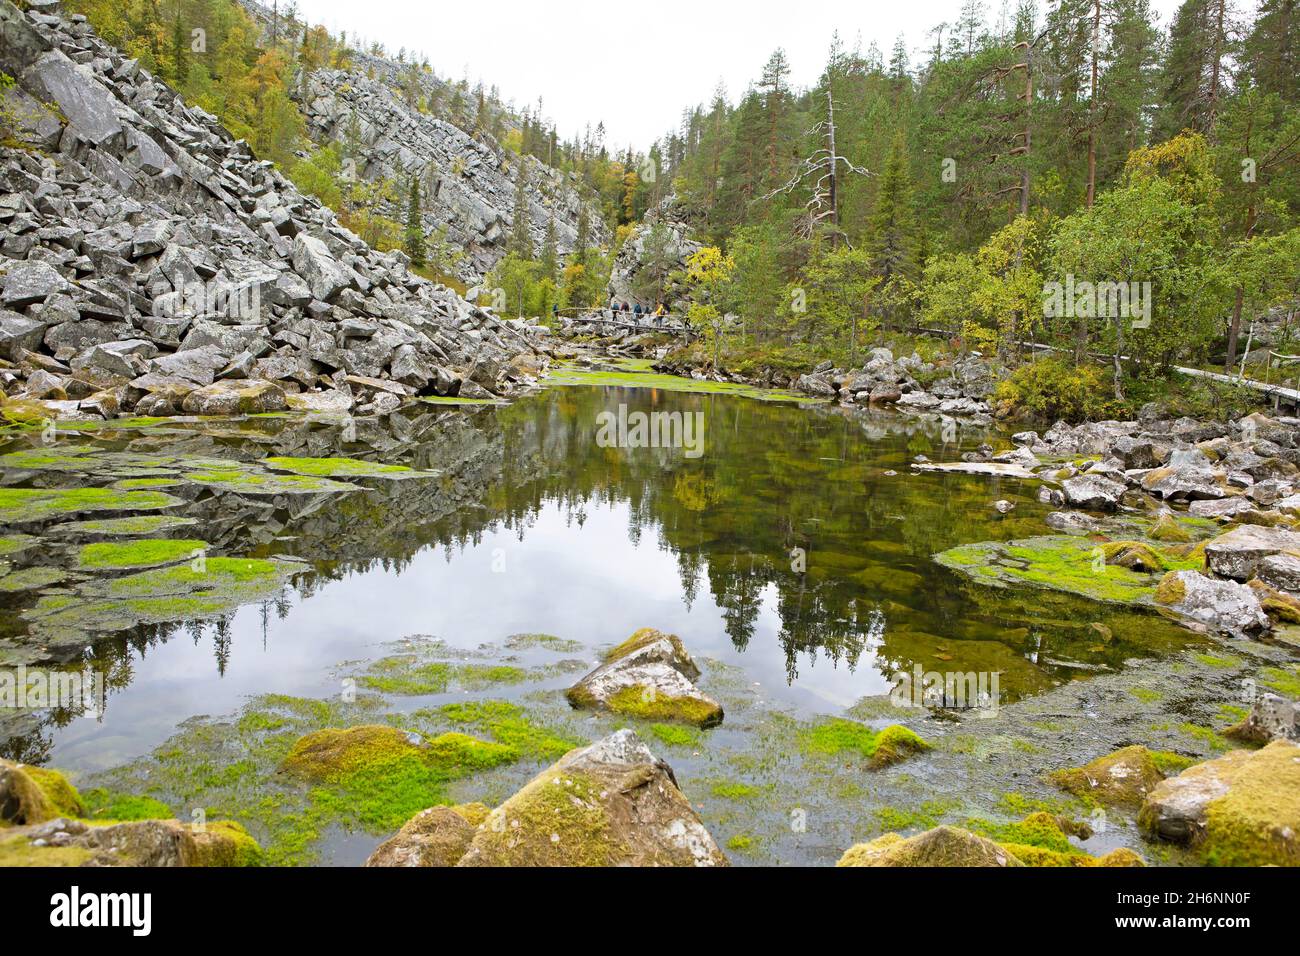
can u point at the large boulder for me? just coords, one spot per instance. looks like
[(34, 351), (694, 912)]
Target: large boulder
[(31, 795), (942, 846), (318, 268), (1119, 779), (1241, 809), (235, 397), (612, 803), (650, 676), (1093, 493), (28, 282), (1221, 605), (1239, 553)]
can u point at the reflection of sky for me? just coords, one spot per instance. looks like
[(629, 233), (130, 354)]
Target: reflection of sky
[(589, 584)]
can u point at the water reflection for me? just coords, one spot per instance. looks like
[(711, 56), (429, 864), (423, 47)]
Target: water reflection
[(797, 546)]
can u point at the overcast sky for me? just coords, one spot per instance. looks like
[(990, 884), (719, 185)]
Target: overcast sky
[(636, 65)]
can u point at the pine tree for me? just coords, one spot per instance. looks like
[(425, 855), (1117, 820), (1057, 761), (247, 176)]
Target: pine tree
[(1272, 49), (413, 239), (891, 226)]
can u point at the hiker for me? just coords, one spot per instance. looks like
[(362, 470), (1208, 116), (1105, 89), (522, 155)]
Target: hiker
[(637, 313)]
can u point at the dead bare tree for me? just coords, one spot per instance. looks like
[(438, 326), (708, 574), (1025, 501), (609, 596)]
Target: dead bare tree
[(822, 168)]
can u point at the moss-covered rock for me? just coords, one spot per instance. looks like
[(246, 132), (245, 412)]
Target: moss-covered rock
[(64, 842), (942, 846), (31, 795), (438, 836), (381, 776), (1120, 779), (612, 803), (1241, 809), (134, 555), (649, 676), (881, 747), (1166, 528)]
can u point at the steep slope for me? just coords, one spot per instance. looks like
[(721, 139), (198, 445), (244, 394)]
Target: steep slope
[(147, 255), (468, 183)]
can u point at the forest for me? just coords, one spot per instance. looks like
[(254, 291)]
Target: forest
[(1079, 145)]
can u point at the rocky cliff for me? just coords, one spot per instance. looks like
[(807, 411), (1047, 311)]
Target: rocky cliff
[(648, 265), (468, 182), (151, 262)]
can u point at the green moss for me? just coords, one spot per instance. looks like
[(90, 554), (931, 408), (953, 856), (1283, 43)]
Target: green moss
[(1166, 528), (147, 553), (920, 817), (226, 843), (1170, 762), (881, 748), (1213, 660), (645, 703), (1058, 563), (339, 468), (248, 482), (675, 735), (550, 642), (24, 505), (104, 804), (64, 801), (1286, 681), (16, 544), (647, 635), (734, 790), (380, 777), (507, 723), (478, 676), (134, 525), (742, 843), (573, 375), (561, 822), (18, 851), (1123, 778), (431, 678), (29, 579), (1207, 735), (1148, 695)]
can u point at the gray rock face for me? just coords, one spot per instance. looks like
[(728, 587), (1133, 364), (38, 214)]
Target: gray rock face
[(1093, 493), (1224, 606), (1239, 553), (658, 247), (26, 283), (151, 224), (468, 184), (1281, 572)]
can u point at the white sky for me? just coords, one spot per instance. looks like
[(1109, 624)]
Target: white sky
[(636, 65)]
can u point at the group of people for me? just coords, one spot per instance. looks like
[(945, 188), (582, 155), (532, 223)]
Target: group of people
[(659, 313)]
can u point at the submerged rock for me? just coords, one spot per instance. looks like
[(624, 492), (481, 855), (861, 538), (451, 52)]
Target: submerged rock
[(612, 803), (1241, 809), (650, 675), (1121, 779)]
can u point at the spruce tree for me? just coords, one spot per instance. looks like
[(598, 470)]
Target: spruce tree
[(413, 239)]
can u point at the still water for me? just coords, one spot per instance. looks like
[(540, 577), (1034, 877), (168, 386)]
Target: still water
[(798, 546)]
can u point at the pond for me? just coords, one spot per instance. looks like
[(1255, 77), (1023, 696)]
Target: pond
[(792, 547)]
